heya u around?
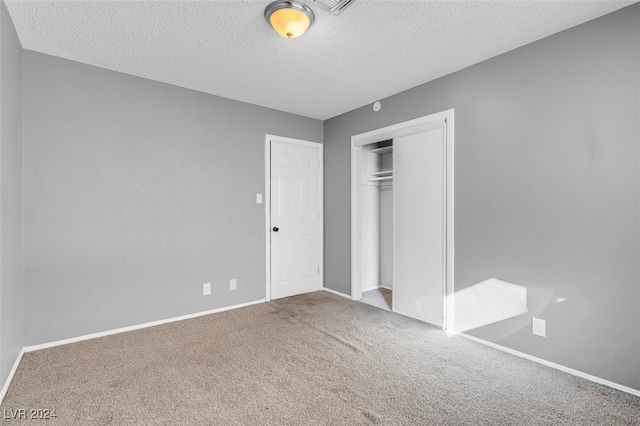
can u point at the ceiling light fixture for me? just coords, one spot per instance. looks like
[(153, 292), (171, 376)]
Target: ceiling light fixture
[(289, 18)]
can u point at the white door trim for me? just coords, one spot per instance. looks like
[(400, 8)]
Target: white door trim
[(267, 206), (422, 124)]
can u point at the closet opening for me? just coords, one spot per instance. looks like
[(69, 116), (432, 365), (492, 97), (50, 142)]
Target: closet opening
[(402, 218), (377, 222)]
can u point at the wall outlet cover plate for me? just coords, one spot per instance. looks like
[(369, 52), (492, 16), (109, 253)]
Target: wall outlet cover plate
[(539, 327)]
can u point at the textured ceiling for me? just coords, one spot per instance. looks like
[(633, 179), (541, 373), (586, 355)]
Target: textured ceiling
[(371, 50)]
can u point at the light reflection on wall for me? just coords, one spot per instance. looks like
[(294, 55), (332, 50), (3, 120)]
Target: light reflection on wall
[(484, 303)]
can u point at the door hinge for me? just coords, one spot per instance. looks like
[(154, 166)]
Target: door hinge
[(318, 269)]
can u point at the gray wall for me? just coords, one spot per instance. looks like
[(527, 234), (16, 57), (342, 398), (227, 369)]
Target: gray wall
[(135, 194), (547, 173), (11, 323)]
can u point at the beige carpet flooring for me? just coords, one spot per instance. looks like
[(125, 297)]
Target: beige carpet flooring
[(378, 297), (314, 359)]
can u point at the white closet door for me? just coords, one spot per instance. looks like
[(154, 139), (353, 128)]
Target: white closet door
[(419, 191)]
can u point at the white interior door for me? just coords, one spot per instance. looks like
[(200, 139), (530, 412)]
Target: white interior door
[(295, 219), (419, 204)]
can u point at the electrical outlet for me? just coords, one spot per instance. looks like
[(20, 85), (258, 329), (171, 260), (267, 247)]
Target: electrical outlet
[(206, 289), (259, 198), (233, 284), (539, 327)]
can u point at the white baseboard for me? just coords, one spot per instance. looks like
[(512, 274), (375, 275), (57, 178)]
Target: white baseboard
[(380, 286), (553, 365), (7, 382), (336, 292), (136, 327)]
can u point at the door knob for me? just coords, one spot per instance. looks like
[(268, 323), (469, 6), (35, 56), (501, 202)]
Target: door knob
[(275, 229)]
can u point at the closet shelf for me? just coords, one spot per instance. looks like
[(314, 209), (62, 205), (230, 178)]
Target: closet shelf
[(383, 150), (382, 173), (373, 179)]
